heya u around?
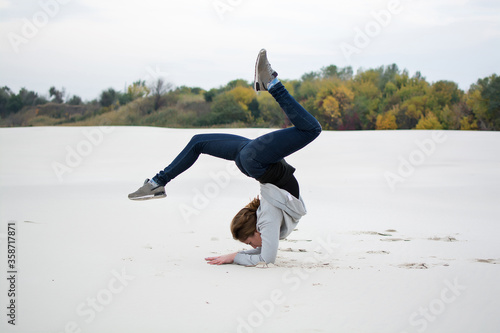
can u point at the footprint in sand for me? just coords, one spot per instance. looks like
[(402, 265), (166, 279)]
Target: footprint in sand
[(292, 250), (444, 239), (386, 233), (378, 252), (489, 261), (414, 266), (365, 233), (394, 240), (422, 265)]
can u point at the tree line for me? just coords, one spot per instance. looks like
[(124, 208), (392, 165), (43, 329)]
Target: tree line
[(381, 98)]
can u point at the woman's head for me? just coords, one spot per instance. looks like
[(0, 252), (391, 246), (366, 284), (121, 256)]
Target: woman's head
[(244, 224)]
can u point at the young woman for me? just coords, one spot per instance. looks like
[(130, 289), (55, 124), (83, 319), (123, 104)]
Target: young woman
[(263, 222)]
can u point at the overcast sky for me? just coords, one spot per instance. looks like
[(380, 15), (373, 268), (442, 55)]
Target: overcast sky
[(87, 46)]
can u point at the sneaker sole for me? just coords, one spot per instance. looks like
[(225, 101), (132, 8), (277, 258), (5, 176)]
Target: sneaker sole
[(256, 84), (148, 197)]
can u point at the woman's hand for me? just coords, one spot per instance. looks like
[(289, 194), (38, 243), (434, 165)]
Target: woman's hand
[(221, 260)]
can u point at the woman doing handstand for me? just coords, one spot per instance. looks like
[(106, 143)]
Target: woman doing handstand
[(263, 222)]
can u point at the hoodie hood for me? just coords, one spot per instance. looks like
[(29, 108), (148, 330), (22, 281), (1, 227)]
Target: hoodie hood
[(283, 200), (292, 208)]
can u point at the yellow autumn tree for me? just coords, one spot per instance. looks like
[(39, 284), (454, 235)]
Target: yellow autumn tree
[(466, 125), (430, 121), (333, 101), (243, 95), (331, 107), (386, 121)]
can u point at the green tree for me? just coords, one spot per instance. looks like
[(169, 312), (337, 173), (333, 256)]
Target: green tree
[(388, 75), (446, 93), (14, 103), (226, 109), (270, 111), (307, 89), (367, 98), (413, 97), (138, 89), (57, 95), (28, 98), (484, 100), (4, 99), (311, 76), (75, 100), (210, 94), (108, 97), (333, 71), (236, 83), (123, 98)]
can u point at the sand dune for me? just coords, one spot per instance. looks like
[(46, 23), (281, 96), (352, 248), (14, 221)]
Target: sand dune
[(401, 235)]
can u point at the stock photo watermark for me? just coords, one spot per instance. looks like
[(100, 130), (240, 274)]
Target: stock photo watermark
[(363, 36), (155, 74), (48, 9), (292, 280), (426, 315), (210, 190), (407, 166), (222, 7), (76, 154), (88, 309), (12, 272)]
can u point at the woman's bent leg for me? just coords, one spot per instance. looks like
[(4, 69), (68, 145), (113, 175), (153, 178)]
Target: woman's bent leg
[(226, 146), (301, 119), (272, 147)]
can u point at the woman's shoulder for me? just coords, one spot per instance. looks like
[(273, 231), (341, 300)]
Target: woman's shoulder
[(266, 206), (282, 200)]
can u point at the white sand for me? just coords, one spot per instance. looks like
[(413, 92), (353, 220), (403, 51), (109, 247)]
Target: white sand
[(422, 256)]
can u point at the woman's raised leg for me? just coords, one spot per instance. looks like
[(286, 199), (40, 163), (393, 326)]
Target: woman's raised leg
[(272, 147), (226, 146)]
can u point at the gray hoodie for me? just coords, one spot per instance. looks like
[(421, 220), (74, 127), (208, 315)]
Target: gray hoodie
[(278, 214)]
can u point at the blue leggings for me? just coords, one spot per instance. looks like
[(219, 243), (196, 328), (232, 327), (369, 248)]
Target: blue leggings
[(252, 157)]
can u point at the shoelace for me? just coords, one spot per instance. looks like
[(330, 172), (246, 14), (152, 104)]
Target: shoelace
[(270, 70)]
